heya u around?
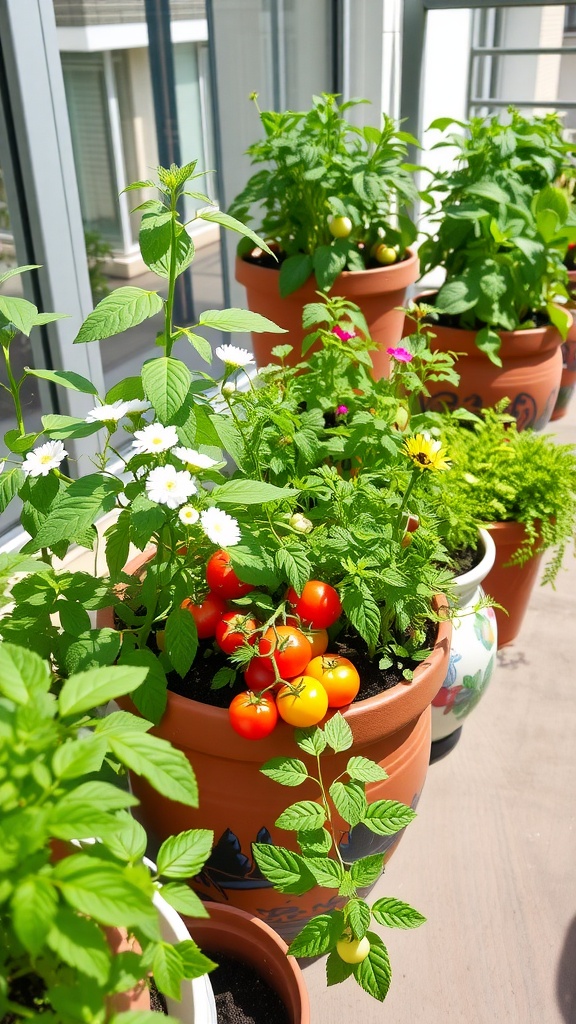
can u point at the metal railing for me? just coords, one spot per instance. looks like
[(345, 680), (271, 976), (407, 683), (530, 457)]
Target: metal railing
[(73, 13)]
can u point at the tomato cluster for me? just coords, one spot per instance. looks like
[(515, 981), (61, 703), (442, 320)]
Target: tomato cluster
[(290, 674)]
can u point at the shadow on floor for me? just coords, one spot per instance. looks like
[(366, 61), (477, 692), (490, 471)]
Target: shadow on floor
[(566, 976), (511, 657)]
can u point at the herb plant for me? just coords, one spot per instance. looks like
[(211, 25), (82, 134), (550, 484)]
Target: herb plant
[(58, 765), (502, 228), (345, 935), (330, 194)]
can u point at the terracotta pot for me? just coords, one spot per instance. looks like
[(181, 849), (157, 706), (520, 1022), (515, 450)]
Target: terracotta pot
[(241, 805), (529, 377), (231, 932), (568, 379), (472, 651), (377, 292), (510, 585)]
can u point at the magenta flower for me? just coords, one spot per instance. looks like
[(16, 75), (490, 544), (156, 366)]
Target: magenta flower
[(343, 335), (341, 410), (402, 355)]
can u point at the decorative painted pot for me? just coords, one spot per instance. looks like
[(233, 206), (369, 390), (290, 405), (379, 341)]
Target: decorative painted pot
[(510, 585), (196, 1005), (568, 379), (379, 293), (529, 376), (231, 932), (472, 651), (241, 805)]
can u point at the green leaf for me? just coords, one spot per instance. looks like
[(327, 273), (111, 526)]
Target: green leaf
[(128, 840), (358, 917), (305, 814), (560, 317), (314, 842), (167, 969), (363, 612), (367, 870), (19, 312), (488, 190), (311, 739), (126, 390), (328, 263), (184, 255), (101, 890), (229, 437), (17, 271), (294, 273), (327, 872), (166, 382), (89, 689), (74, 512), (217, 217), (79, 942), (386, 817), (349, 800), (203, 347), (489, 341), (253, 563), (34, 903), (10, 483), (338, 733), (362, 769), (80, 756), (457, 295), (287, 871), (66, 378), (74, 619), (337, 970), (20, 672), (394, 913), (94, 649), (181, 639), (61, 427), (374, 973), (155, 235), (152, 695), (166, 768), (19, 443), (184, 855), (294, 565), (121, 309), (194, 963), (73, 817), (288, 771), (239, 320), (183, 899), (315, 938), (250, 492), (118, 543)]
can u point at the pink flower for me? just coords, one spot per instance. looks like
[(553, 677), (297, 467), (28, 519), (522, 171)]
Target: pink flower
[(341, 410), (402, 355), (343, 335)]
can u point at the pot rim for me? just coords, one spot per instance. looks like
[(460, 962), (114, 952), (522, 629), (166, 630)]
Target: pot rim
[(398, 275), (537, 338), (479, 572)]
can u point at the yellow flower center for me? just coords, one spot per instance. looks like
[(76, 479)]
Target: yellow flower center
[(45, 459)]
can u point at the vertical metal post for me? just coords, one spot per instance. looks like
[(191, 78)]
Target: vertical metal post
[(216, 121), (166, 115), (413, 42)]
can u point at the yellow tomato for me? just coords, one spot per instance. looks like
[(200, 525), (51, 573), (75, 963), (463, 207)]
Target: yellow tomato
[(353, 951), (340, 227)]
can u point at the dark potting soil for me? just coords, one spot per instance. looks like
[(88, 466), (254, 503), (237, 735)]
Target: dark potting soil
[(263, 259), (27, 991), (466, 559), (242, 996), (454, 319)]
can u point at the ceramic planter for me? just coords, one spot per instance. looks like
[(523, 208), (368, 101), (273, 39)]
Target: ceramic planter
[(241, 805), (231, 932), (510, 585), (197, 1004), (472, 653), (529, 376), (377, 292), (568, 379)]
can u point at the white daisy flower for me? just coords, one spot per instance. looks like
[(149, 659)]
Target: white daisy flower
[(219, 527), (166, 486), (48, 456), (154, 438), (136, 405), (234, 356), (188, 515), (193, 459), (107, 413)]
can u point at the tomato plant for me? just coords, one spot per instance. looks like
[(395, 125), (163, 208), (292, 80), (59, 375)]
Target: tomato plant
[(340, 227), (386, 255), (289, 648), (338, 676), (253, 715), (318, 638), (222, 579), (353, 951), (302, 702), (206, 615), (234, 629), (259, 673), (318, 605)]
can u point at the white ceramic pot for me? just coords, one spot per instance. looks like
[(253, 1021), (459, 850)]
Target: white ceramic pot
[(472, 651)]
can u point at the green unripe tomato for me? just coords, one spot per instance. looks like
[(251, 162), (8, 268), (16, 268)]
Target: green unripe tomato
[(386, 254), (353, 951), (340, 227)]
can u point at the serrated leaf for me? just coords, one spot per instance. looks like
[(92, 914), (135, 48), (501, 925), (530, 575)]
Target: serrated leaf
[(155, 235), (215, 216), (165, 768), (167, 969), (363, 613), (118, 543), (337, 970), (183, 899), (358, 917), (311, 740), (250, 492), (386, 817), (194, 962), (374, 973), (393, 913), (362, 769), (10, 483), (19, 312), (328, 263), (89, 689), (121, 309), (74, 619), (20, 672), (181, 639), (80, 756), (94, 649), (166, 383), (34, 904), (305, 814), (203, 347), (128, 840), (314, 842), (151, 696), (338, 733), (66, 378), (184, 855), (286, 870), (288, 771), (101, 890), (294, 565), (349, 800), (239, 320), (367, 870), (327, 872), (315, 938), (80, 943)]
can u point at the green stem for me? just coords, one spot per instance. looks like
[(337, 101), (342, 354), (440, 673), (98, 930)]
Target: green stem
[(326, 803), (171, 277), (415, 474), (14, 391)]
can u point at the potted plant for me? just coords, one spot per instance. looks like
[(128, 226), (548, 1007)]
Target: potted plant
[(522, 487), (220, 554), (501, 234), (331, 199)]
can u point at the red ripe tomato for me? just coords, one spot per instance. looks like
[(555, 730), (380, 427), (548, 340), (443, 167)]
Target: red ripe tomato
[(253, 715), (302, 702), (289, 648), (338, 676), (234, 629), (221, 578), (318, 637), (259, 673), (318, 605), (206, 615)]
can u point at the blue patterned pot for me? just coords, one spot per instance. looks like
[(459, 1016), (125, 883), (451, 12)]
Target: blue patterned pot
[(472, 651)]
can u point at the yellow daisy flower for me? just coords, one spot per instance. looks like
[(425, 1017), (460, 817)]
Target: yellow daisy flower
[(425, 452)]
